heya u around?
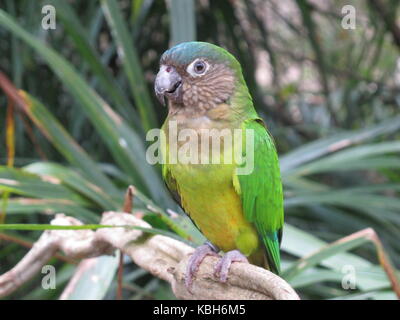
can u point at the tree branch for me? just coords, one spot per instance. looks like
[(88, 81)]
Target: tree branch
[(164, 257)]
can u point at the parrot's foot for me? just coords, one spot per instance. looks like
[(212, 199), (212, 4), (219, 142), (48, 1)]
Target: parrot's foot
[(207, 249), (223, 266)]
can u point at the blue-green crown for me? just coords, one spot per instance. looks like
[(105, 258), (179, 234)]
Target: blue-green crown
[(185, 52)]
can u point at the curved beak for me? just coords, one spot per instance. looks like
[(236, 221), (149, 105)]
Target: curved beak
[(168, 84)]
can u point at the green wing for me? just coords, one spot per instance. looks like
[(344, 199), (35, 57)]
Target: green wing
[(261, 192)]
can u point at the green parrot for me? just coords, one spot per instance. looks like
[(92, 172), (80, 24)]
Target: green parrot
[(239, 214)]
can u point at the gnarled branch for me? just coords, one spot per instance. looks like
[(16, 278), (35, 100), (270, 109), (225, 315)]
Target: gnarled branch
[(164, 257)]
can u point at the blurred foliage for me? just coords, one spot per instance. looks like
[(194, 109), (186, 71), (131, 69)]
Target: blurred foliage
[(330, 97)]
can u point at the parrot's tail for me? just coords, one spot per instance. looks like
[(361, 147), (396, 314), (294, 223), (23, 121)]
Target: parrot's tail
[(272, 255), (273, 267)]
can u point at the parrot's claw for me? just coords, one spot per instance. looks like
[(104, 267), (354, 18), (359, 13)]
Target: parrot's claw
[(222, 268), (195, 260)]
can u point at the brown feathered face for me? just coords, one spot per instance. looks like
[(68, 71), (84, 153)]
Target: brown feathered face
[(200, 84)]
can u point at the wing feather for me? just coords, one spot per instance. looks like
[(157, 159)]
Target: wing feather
[(261, 192)]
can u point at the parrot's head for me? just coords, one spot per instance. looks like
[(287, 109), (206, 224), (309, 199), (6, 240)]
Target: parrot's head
[(197, 75)]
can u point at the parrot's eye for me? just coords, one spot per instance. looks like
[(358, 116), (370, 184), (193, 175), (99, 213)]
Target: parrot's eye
[(197, 68)]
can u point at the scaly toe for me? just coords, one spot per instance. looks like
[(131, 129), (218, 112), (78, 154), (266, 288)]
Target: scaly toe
[(194, 263), (224, 264)]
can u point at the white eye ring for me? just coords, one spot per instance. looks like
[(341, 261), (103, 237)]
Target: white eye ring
[(197, 68)]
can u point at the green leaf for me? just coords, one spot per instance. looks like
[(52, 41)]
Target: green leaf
[(359, 157), (24, 206), (125, 145), (313, 276), (375, 295), (302, 244), (95, 280), (183, 21), (80, 36), (66, 145), (19, 182), (334, 143), (325, 253), (131, 63), (32, 226), (76, 182)]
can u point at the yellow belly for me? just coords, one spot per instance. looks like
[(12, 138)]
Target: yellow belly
[(208, 196)]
